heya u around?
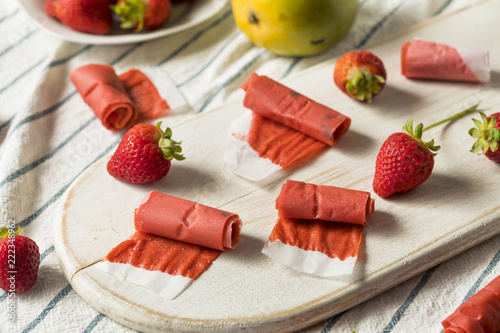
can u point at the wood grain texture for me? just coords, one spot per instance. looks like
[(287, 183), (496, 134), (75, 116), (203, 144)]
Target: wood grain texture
[(452, 211)]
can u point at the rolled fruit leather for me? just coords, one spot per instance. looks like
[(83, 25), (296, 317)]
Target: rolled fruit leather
[(301, 200), (479, 314), (288, 107), (175, 241), (124, 100), (421, 59), (102, 90), (188, 221), (282, 128), (307, 236)]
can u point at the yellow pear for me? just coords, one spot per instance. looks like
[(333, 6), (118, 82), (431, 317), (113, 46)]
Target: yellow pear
[(295, 27)]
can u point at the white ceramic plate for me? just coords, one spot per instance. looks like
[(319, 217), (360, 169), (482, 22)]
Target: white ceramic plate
[(184, 16)]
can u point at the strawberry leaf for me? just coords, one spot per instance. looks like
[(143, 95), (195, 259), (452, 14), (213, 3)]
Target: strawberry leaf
[(487, 135), (474, 132), (364, 85), (131, 13), (169, 147), (417, 135)]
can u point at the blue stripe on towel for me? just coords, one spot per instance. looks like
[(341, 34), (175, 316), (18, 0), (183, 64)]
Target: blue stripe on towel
[(50, 65), (233, 37), (409, 300), (42, 113), (94, 323), (67, 58), (33, 165), (443, 7), (378, 25), (126, 53), (230, 80), (48, 308), (486, 272), (56, 196), (291, 67), (194, 38), (3, 18), (23, 74), (22, 39), (332, 322), (7, 122)]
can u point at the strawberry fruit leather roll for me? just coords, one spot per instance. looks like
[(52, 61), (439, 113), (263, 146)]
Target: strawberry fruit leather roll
[(118, 101), (175, 241), (144, 95), (479, 314), (281, 104), (319, 228), (301, 200), (103, 91), (422, 59), (187, 221)]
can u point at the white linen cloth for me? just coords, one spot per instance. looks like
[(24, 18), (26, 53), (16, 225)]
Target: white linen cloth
[(48, 137)]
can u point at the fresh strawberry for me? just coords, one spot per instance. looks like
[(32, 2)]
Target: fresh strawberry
[(92, 16), (487, 134), (144, 154), (405, 160), (142, 15), (20, 259), (360, 74)]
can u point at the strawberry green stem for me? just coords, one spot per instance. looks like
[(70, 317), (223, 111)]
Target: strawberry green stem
[(364, 85), (5, 232), (456, 116), (131, 13), (487, 135), (171, 149), (419, 129)]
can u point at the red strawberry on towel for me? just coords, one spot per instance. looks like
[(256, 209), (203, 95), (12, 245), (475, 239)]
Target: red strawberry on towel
[(20, 261)]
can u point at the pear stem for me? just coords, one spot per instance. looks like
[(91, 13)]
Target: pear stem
[(456, 116)]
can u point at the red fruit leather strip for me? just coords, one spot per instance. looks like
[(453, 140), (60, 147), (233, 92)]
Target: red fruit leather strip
[(480, 313), (334, 239), (279, 143), (301, 200), (144, 95), (156, 253), (280, 103), (101, 89), (183, 220), (422, 59)]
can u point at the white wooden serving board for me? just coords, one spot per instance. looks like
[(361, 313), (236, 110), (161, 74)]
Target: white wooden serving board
[(245, 290)]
